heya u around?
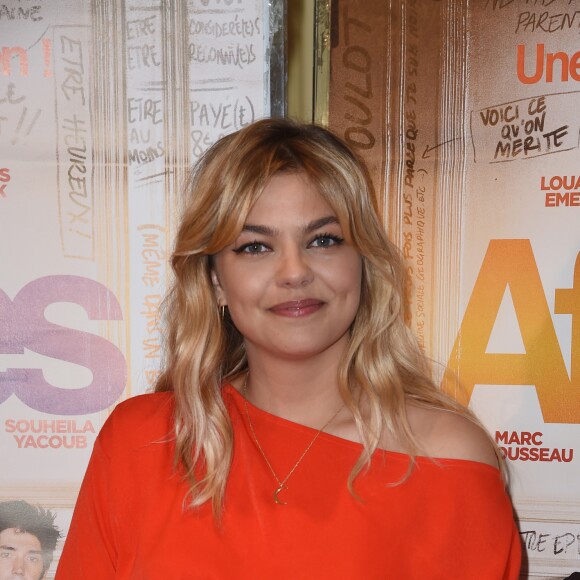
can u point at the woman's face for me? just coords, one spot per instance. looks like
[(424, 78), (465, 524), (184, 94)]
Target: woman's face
[(292, 285)]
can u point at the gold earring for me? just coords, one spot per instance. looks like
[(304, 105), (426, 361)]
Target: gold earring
[(223, 311)]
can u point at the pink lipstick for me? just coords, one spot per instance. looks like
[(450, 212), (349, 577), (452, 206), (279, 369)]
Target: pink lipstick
[(297, 308)]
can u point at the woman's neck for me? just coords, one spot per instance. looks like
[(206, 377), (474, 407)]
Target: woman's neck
[(305, 392)]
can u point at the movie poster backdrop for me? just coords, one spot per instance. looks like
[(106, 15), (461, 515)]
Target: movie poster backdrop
[(467, 114), (104, 105)]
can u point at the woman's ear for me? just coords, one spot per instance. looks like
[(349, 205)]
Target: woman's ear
[(219, 292)]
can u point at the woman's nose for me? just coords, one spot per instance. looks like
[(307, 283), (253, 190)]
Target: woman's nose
[(294, 269)]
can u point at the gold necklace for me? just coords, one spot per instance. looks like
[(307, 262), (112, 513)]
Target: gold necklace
[(281, 482)]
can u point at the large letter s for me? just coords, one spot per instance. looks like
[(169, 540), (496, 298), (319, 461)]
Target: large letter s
[(24, 326)]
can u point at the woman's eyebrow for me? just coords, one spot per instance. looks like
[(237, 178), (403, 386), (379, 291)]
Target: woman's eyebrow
[(308, 228), (262, 230), (320, 223)]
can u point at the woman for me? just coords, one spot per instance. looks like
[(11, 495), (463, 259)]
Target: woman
[(295, 432)]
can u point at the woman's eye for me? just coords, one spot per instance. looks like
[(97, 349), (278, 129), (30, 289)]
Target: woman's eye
[(326, 241), (251, 248)]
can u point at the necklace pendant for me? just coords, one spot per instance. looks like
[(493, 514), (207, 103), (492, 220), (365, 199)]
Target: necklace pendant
[(276, 499), (281, 482)]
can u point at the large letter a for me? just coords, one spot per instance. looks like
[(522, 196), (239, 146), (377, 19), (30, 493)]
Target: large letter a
[(511, 262)]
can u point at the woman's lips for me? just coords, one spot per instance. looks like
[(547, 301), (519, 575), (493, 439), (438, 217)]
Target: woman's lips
[(297, 308)]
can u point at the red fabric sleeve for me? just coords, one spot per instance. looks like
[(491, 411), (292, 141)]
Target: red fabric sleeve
[(111, 508), (90, 548)]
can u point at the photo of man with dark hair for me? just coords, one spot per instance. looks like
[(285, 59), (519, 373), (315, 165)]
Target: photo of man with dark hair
[(28, 538)]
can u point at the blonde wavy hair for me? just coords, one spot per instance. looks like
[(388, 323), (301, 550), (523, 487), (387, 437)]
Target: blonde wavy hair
[(383, 366)]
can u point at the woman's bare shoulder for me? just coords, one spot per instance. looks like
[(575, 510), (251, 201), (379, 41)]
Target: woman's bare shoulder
[(448, 434)]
